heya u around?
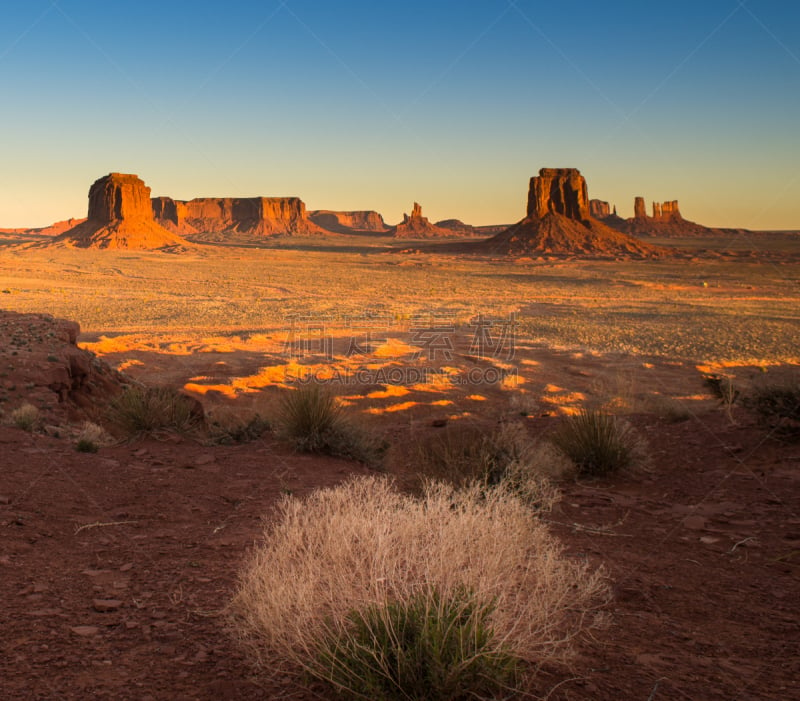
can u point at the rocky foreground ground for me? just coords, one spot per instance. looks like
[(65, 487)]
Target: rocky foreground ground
[(117, 566)]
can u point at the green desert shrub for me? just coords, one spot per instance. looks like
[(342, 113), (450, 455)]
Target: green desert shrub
[(597, 443), (141, 409), (428, 647), (25, 417), (377, 593), (311, 419), (778, 407)]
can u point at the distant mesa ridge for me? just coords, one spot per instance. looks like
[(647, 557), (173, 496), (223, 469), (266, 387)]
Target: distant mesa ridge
[(348, 222), (209, 217), (560, 220)]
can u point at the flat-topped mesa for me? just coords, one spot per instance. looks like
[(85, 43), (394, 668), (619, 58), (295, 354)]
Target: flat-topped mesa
[(558, 191), (639, 208), (245, 216), (346, 222), (120, 216), (599, 209)]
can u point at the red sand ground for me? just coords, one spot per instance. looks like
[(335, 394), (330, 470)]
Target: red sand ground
[(703, 553), (116, 566)]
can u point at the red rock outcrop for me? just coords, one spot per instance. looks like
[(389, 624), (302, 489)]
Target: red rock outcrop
[(599, 209), (558, 191), (65, 382), (666, 211), (639, 209), (666, 221), (559, 224), (415, 226), (348, 222), (120, 216), (234, 218)]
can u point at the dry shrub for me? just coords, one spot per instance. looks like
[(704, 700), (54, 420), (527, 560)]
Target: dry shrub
[(140, 410), (331, 559), (778, 407), (462, 454), (26, 417), (598, 443), (311, 419), (228, 427), (91, 438), (669, 409)]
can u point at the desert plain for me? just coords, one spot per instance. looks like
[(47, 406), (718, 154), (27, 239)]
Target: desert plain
[(118, 565), (701, 549)]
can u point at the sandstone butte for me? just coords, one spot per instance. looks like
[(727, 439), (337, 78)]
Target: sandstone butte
[(416, 226), (559, 223), (349, 222), (120, 216)]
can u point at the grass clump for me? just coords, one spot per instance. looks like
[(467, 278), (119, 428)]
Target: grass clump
[(378, 593), (230, 428), (778, 407), (464, 453), (26, 417), (429, 647), (311, 419), (141, 409), (597, 443), (91, 438)]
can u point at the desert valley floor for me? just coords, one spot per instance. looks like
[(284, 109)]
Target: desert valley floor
[(701, 548)]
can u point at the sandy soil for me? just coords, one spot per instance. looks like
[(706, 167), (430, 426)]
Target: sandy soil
[(117, 566)]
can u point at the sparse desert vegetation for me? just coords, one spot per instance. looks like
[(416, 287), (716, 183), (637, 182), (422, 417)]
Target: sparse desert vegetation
[(312, 419), (356, 584), (26, 417), (598, 443), (140, 409), (778, 407), (475, 373)]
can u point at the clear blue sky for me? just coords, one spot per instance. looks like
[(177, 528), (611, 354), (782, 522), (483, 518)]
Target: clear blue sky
[(372, 105)]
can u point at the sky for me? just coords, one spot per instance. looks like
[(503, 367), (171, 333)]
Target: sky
[(365, 104)]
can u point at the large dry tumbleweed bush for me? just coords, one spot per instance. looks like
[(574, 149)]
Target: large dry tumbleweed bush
[(329, 562)]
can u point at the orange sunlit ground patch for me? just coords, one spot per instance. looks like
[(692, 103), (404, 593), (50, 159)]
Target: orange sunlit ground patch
[(390, 391)]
